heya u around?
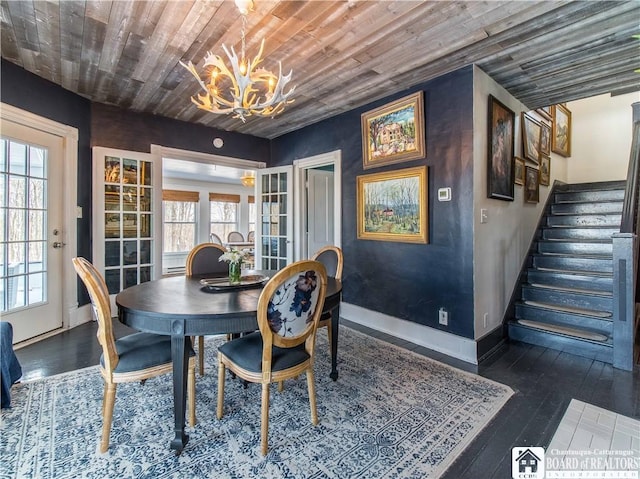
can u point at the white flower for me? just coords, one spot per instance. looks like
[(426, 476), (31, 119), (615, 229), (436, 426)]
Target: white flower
[(233, 256)]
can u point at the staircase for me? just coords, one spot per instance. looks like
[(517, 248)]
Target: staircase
[(566, 298)]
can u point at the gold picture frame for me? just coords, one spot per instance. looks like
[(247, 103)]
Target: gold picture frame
[(519, 171), (392, 206), (394, 132), (561, 130), (531, 133)]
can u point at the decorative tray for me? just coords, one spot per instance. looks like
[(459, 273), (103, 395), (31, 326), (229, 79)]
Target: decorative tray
[(222, 284)]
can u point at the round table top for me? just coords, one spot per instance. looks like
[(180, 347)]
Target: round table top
[(145, 305)]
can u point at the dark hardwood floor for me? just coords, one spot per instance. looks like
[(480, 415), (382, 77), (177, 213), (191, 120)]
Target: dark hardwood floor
[(544, 382)]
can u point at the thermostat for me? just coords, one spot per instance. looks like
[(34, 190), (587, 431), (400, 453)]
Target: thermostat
[(444, 194)]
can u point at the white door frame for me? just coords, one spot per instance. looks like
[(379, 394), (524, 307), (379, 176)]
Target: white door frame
[(69, 135), (299, 169)]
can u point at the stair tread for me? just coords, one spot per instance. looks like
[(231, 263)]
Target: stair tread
[(570, 309), (602, 274), (594, 292), (576, 255), (554, 328)]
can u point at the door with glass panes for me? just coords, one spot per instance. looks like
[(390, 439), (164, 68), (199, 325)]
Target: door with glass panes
[(31, 235), (274, 232), (126, 210)]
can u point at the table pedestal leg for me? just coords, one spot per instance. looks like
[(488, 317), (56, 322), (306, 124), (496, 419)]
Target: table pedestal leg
[(335, 320), (180, 357)]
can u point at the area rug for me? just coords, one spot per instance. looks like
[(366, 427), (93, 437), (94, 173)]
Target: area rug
[(391, 413)]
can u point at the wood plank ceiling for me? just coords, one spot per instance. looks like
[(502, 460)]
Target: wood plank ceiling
[(343, 54)]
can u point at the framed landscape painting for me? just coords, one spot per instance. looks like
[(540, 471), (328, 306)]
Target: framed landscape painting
[(392, 206), (394, 132), (561, 130), (500, 154), (531, 133)]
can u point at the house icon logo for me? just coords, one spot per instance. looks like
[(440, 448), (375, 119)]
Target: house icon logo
[(527, 463)]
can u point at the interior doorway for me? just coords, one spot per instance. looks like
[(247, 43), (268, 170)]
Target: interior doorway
[(318, 203)]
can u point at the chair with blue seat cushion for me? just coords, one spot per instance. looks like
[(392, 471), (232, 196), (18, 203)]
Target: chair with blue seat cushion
[(205, 259), (289, 309), (136, 357), (332, 259)]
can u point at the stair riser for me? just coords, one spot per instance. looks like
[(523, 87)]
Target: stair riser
[(524, 311), (612, 220), (573, 264), (567, 298), (614, 207), (594, 283), (603, 249), (579, 233), (586, 196), (600, 352)]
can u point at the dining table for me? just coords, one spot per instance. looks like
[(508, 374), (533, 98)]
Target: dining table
[(185, 306)]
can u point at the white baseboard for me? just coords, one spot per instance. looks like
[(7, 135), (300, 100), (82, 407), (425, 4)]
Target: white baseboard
[(79, 315), (455, 346)]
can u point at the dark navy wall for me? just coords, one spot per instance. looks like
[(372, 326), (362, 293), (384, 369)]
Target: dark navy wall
[(117, 128), (408, 281)]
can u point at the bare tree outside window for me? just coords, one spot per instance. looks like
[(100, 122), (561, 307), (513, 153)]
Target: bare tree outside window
[(224, 218), (179, 226)]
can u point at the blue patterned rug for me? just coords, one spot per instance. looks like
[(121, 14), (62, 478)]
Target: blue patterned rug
[(392, 413)]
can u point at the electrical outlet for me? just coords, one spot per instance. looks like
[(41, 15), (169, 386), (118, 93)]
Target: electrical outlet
[(484, 319), (443, 316)]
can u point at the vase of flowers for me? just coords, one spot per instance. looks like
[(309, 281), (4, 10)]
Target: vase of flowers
[(234, 258)]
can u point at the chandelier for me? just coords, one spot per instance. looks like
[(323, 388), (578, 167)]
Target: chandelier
[(244, 89), (248, 179)]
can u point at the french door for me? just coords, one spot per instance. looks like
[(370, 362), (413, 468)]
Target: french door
[(31, 230), (127, 217), (274, 203)]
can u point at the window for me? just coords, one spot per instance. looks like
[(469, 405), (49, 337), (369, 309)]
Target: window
[(179, 220), (224, 214), (252, 213)]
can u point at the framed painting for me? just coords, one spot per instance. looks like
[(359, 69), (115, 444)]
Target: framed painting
[(500, 140), (392, 206), (561, 130), (519, 171), (531, 185), (394, 132), (531, 133), (545, 139), (545, 170)]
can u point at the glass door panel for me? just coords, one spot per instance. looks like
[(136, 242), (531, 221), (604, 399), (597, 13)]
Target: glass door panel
[(275, 231), (128, 236)]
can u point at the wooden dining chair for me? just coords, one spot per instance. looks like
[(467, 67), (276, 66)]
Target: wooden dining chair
[(251, 236), (136, 357), (235, 237), (204, 259), (332, 259), (289, 309)]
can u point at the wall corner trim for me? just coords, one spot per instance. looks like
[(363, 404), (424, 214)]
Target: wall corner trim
[(455, 346)]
